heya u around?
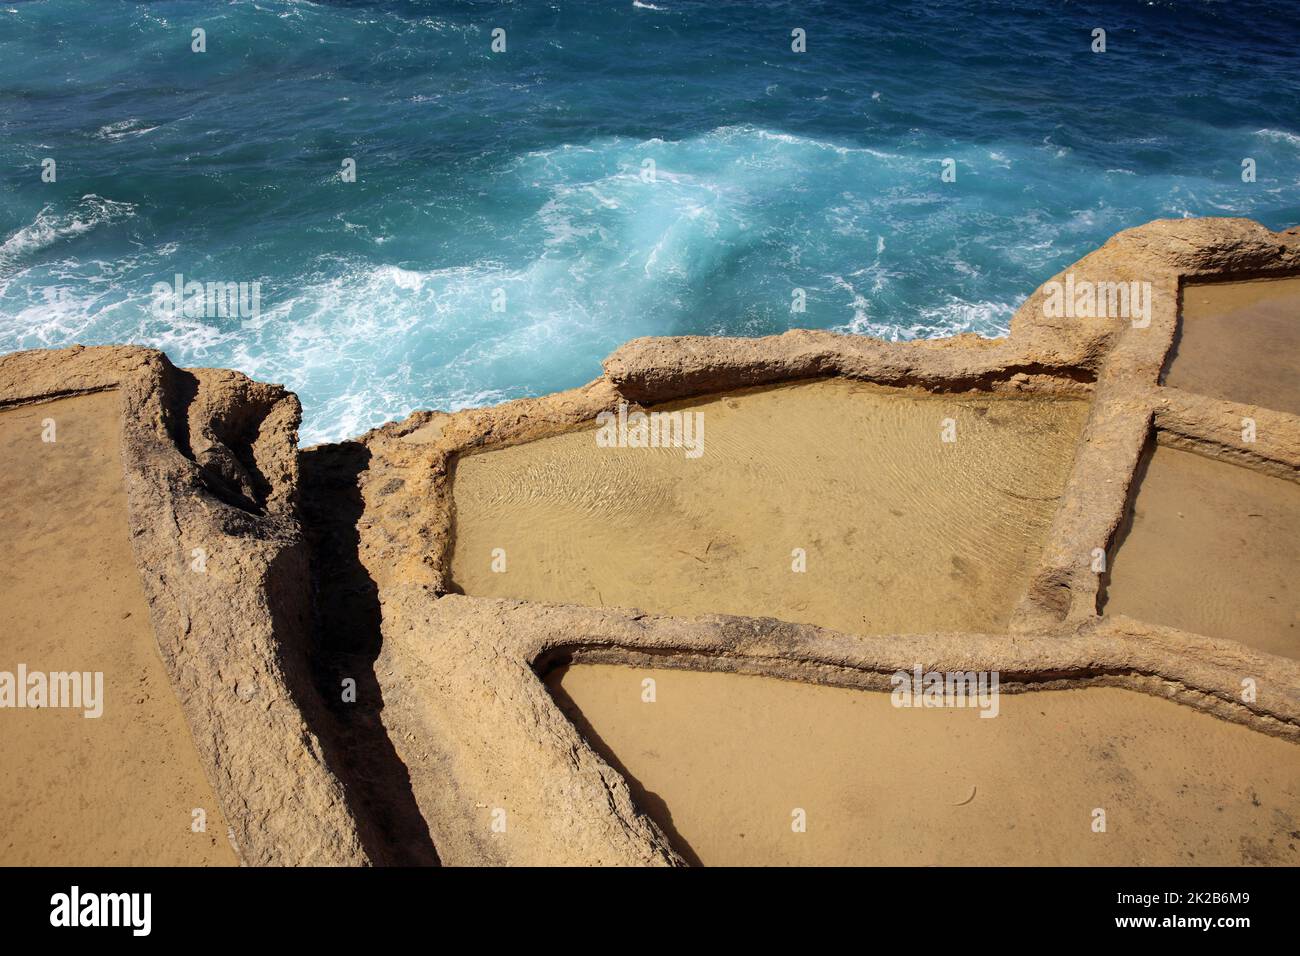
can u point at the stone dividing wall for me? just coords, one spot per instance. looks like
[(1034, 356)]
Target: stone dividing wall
[(479, 731)]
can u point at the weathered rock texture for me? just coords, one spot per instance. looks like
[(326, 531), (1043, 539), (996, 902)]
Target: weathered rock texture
[(453, 724), (211, 466)]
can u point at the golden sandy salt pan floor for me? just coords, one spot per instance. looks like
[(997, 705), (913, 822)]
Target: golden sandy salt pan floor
[(1240, 341), (901, 531), (721, 761), (119, 789), (1213, 548)]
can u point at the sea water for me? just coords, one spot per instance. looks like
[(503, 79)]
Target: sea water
[(619, 169)]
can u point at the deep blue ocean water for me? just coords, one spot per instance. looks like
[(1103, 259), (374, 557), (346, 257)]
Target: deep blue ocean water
[(522, 172)]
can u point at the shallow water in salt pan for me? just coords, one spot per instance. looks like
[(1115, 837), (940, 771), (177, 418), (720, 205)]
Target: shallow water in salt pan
[(899, 530), (1240, 341)]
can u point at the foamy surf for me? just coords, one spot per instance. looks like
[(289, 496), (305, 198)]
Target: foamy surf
[(52, 226)]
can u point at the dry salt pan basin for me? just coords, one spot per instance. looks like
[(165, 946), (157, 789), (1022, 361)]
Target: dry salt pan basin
[(857, 507), (1213, 549), (124, 787), (1240, 341), (742, 770)]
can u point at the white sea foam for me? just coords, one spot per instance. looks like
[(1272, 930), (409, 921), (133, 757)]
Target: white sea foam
[(1279, 136), (122, 129), (51, 226), (952, 317)]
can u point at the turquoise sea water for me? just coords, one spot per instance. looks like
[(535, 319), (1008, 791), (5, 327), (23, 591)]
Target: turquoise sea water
[(521, 172)]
